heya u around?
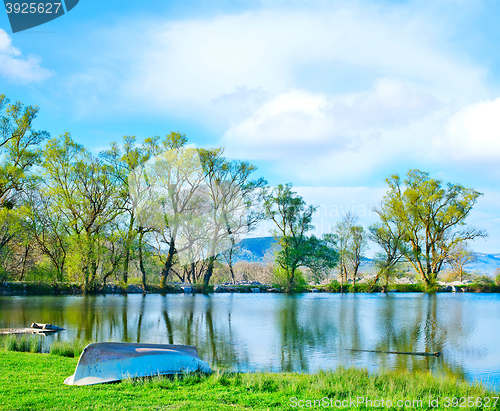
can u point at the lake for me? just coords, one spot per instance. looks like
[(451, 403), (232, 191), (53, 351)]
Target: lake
[(276, 332)]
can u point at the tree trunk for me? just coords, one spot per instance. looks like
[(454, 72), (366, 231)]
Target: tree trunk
[(25, 257), (191, 277), (208, 274), (168, 264), (230, 263), (341, 280), (126, 263), (128, 245), (141, 262), (230, 257), (291, 282), (354, 275)]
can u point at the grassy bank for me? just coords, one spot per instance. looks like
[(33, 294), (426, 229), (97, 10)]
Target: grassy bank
[(36, 288), (35, 382)]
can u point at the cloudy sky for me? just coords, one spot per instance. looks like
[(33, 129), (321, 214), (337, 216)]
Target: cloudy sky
[(332, 96)]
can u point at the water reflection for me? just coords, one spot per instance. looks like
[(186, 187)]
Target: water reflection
[(280, 333)]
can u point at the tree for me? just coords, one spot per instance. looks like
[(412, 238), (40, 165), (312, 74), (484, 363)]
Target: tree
[(82, 190), (431, 215), (18, 141), (350, 240), (18, 154), (165, 190), (390, 239), (459, 256), (293, 220), (122, 162), (339, 239), (234, 200), (48, 228), (252, 196), (357, 249)]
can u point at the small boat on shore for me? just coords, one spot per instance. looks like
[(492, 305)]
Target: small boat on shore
[(115, 361)]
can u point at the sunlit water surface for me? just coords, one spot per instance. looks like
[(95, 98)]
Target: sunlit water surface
[(304, 333)]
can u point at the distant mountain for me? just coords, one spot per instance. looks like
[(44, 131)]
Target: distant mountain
[(484, 263), (255, 249)]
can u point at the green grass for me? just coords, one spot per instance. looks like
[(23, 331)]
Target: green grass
[(35, 382)]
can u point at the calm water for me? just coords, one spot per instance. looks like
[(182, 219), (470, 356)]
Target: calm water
[(275, 332)]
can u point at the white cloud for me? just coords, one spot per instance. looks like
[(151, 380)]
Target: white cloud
[(281, 125), (13, 66), (329, 93), (314, 123), (474, 132), (195, 61), (244, 73)]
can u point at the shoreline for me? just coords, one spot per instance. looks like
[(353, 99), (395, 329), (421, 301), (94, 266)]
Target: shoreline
[(31, 288)]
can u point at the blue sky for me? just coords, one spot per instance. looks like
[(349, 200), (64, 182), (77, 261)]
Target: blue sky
[(333, 96)]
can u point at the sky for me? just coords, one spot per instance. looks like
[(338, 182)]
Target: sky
[(331, 96)]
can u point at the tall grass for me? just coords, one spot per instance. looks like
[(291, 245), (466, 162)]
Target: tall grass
[(29, 343), (68, 348), (25, 343)]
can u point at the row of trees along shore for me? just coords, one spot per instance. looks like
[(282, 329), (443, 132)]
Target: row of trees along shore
[(166, 210)]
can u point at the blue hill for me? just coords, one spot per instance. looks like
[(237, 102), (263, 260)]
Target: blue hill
[(254, 249)]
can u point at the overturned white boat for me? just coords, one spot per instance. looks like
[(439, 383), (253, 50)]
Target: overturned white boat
[(115, 361)]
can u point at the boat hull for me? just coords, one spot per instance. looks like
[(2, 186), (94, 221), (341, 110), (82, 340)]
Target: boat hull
[(114, 361)]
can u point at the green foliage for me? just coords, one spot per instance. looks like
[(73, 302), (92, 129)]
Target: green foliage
[(390, 239), (42, 273), (281, 278), (483, 288), (497, 277), (18, 148), (359, 287), (484, 284), (483, 280), (22, 343), (81, 188), (430, 215), (409, 288), (293, 220), (134, 281), (4, 275), (336, 287), (68, 348)]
